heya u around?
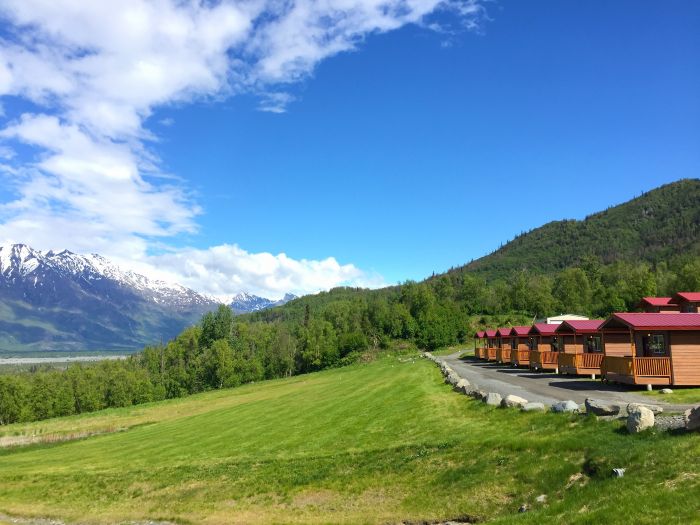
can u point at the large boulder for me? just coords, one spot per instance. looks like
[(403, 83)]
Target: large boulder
[(493, 399), (533, 407), (692, 418), (511, 401), (602, 408), (639, 419), (565, 406)]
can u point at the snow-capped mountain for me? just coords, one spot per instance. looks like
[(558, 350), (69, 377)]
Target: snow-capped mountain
[(245, 302), (21, 262), (67, 301)]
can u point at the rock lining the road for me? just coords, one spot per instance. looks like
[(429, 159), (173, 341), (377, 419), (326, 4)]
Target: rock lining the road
[(638, 416)]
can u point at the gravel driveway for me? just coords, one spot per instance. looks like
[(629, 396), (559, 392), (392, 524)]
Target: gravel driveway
[(546, 387)]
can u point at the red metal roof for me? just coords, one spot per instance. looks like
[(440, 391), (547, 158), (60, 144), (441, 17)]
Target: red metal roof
[(520, 330), (490, 333), (581, 327), (645, 321), (480, 335), (688, 296), (503, 332), (543, 329), (657, 301)]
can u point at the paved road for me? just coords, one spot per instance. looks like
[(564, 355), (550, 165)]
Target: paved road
[(545, 387)]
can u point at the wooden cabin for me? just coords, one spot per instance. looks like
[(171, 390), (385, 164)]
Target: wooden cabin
[(652, 349), (543, 347), (491, 344), (503, 349), (580, 347), (479, 344), (520, 349), (688, 302), (658, 305)]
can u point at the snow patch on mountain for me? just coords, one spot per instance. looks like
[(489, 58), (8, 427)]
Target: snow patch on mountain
[(20, 261)]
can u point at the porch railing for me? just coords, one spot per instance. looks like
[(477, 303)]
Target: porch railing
[(653, 366), (523, 356), (542, 357), (581, 360), (503, 355), (637, 366), (491, 354)]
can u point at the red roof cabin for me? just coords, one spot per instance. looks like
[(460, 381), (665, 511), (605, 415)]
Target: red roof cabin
[(491, 342), (504, 345), (543, 347), (479, 344), (520, 349), (652, 349), (658, 305), (580, 347), (689, 302)]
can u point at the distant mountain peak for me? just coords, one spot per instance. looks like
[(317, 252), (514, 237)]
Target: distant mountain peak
[(245, 302), (59, 299)]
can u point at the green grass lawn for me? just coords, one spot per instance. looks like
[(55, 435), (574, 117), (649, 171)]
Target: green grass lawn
[(681, 395), (383, 442)]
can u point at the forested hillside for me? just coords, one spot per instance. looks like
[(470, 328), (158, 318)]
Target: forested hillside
[(652, 228), (343, 325)]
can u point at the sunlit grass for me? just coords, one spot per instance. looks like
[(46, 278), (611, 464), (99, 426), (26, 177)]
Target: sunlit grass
[(376, 443)]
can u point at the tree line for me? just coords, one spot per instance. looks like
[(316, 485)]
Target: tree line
[(333, 329)]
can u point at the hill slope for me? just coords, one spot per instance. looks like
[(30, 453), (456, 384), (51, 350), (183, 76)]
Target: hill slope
[(659, 224), (386, 442)]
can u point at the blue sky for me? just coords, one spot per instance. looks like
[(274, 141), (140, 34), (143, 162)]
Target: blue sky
[(418, 149)]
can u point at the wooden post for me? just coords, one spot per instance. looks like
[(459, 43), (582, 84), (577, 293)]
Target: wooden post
[(634, 359)]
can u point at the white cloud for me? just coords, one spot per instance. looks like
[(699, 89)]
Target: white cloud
[(222, 271), (96, 73)]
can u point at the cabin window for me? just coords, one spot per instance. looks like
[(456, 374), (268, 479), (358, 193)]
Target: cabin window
[(594, 344), (654, 345)]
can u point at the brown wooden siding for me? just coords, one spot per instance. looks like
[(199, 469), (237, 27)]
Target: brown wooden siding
[(617, 344), (685, 358)]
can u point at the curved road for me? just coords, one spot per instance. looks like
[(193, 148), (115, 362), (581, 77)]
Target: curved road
[(546, 387)]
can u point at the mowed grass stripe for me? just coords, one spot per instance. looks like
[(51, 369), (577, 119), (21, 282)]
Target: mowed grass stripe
[(376, 443)]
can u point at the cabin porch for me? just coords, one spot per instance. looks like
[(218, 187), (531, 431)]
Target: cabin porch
[(503, 355), (544, 360), (582, 363), (637, 370), (520, 357)]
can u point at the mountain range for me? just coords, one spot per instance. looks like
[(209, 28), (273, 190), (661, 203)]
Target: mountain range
[(63, 301)]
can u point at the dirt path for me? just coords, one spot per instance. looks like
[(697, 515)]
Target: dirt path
[(545, 387)]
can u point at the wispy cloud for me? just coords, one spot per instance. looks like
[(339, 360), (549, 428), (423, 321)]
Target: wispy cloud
[(95, 73)]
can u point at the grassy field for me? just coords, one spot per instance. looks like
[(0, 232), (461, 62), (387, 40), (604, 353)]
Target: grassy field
[(680, 395), (384, 442)]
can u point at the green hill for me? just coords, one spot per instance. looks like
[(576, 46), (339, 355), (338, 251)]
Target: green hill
[(385, 442), (657, 226)]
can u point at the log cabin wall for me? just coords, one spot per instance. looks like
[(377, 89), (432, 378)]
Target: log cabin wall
[(617, 344), (685, 357), (568, 345)]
